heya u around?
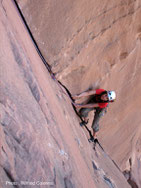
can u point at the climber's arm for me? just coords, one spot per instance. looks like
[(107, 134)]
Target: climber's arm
[(92, 105), (84, 94)]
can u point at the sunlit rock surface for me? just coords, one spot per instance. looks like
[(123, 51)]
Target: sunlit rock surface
[(87, 44), (97, 44)]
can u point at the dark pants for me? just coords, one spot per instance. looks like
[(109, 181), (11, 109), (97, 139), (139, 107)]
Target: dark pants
[(99, 112)]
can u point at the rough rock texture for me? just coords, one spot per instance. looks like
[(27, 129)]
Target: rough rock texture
[(97, 43), (42, 144)]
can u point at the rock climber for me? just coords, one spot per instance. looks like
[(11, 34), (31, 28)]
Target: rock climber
[(99, 101)]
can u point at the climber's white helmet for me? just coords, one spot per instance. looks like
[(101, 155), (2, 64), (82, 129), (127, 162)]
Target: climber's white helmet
[(111, 95)]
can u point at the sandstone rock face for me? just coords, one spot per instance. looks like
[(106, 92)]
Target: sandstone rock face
[(96, 43), (41, 142)]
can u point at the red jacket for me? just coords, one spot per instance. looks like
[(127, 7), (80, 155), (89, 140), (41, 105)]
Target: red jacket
[(101, 105)]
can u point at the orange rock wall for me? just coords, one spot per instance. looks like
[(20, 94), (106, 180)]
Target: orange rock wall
[(97, 43), (41, 143)]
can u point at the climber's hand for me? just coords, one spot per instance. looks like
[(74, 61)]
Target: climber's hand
[(75, 96), (76, 105)]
